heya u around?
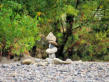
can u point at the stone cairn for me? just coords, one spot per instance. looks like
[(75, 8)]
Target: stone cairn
[(52, 49)]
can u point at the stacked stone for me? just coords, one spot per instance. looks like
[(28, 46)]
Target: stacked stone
[(52, 43), (50, 51)]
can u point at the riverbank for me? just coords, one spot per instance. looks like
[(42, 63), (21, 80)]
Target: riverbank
[(77, 71)]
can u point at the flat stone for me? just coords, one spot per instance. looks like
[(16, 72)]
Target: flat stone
[(59, 61), (53, 43), (69, 60), (27, 61), (51, 37), (51, 50), (42, 63)]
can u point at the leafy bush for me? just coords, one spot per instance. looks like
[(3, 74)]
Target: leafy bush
[(92, 46), (81, 27), (18, 33)]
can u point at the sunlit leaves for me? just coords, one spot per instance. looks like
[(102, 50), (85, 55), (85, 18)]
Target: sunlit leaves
[(71, 10), (20, 32)]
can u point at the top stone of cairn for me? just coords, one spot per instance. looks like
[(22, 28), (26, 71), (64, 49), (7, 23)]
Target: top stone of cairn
[(51, 37)]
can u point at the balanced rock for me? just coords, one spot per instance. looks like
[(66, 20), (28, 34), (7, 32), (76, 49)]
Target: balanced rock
[(51, 37), (51, 50), (53, 43)]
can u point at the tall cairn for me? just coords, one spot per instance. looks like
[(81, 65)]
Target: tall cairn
[(52, 43)]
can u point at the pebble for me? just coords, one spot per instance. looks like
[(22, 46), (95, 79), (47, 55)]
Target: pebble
[(74, 72)]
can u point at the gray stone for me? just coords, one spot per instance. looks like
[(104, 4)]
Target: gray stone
[(53, 43), (69, 60), (59, 61), (51, 50), (40, 63), (51, 37), (28, 61), (49, 60)]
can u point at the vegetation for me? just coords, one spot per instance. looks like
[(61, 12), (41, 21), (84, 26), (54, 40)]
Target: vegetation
[(81, 28)]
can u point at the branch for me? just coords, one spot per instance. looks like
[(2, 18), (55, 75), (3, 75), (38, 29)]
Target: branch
[(97, 9)]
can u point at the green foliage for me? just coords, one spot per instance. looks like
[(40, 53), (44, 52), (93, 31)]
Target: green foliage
[(16, 30), (71, 10), (81, 27)]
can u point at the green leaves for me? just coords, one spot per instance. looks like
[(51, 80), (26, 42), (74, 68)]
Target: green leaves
[(21, 30), (71, 10)]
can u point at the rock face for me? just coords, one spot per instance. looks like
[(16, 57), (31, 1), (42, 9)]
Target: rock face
[(51, 37)]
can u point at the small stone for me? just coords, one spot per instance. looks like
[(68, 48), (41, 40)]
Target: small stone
[(42, 63), (49, 60), (13, 74), (59, 61), (50, 51), (69, 60), (51, 37), (27, 61), (35, 64), (53, 43)]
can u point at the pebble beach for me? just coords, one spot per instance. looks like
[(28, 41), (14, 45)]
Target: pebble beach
[(75, 72)]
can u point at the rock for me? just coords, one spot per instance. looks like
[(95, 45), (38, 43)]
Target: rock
[(50, 51), (80, 61), (49, 60), (59, 61), (53, 43), (52, 56), (28, 61), (13, 74), (69, 60), (51, 37), (42, 63)]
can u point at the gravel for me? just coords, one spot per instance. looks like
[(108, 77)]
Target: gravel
[(75, 72)]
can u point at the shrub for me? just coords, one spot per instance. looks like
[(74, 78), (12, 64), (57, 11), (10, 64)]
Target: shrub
[(18, 33)]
